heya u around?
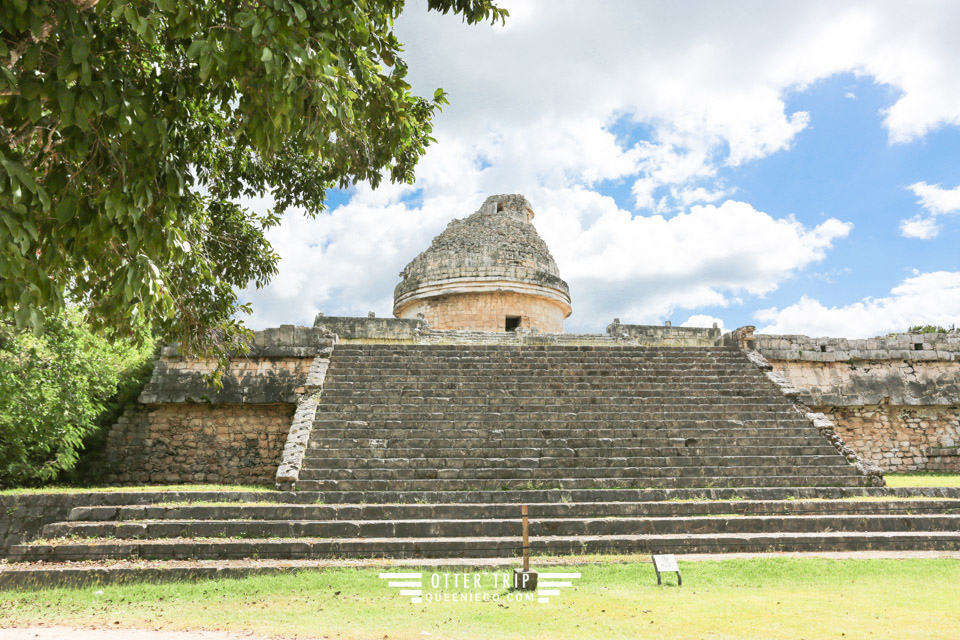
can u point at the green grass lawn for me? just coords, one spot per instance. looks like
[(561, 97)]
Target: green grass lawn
[(767, 598), (142, 488), (923, 479)]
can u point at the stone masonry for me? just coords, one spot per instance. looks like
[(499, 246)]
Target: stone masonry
[(183, 430), (485, 272), (895, 400), (196, 443)]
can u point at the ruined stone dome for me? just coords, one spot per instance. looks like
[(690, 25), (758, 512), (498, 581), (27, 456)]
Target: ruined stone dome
[(493, 251)]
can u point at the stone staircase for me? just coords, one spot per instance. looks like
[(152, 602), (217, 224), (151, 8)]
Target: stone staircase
[(480, 417), (428, 451)]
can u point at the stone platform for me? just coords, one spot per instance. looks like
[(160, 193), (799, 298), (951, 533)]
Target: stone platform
[(427, 451), (486, 524)]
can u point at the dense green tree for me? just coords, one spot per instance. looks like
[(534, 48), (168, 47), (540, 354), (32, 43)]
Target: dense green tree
[(57, 389), (129, 129)]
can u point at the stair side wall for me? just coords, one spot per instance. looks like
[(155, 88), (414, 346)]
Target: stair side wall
[(184, 430), (895, 400)]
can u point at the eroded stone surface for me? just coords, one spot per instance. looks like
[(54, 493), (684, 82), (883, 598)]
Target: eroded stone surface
[(485, 268)]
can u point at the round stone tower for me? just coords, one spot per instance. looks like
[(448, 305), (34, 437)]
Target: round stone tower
[(490, 271)]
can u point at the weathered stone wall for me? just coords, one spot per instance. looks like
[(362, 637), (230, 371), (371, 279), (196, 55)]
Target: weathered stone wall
[(900, 346), (247, 380), (379, 330), (655, 335), (860, 382), (184, 443), (407, 331), (895, 400), (186, 431), (900, 438), (516, 338), (488, 312)]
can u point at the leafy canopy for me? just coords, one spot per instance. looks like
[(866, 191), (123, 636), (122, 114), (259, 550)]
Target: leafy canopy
[(130, 128)]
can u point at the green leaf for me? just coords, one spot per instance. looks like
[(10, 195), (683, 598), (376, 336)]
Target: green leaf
[(195, 48), (44, 198), (30, 90), (267, 55), (66, 209), (79, 50), (65, 100)]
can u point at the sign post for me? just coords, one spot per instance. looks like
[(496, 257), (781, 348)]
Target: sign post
[(524, 579)]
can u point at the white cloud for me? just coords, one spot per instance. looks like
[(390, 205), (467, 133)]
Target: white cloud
[(926, 298), (922, 227), (643, 268), (700, 321), (937, 201), (709, 84)]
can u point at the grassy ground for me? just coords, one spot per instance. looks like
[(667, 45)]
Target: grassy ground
[(768, 598), (923, 479), (142, 488)]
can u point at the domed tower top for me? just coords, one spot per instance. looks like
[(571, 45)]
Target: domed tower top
[(490, 271)]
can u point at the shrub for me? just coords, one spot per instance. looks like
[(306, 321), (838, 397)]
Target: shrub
[(58, 389), (931, 328)]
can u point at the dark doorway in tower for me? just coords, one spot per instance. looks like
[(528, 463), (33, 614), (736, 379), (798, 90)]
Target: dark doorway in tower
[(512, 323)]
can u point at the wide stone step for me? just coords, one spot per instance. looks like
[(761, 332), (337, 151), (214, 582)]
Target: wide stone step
[(601, 356), (455, 433), (550, 366), (489, 384), (508, 511), (526, 495), (558, 396), (402, 448), (508, 367), (450, 528), (460, 414), (462, 354), (529, 348), (472, 461), (485, 547), (674, 482), (555, 366), (401, 391), (506, 402), (550, 473), (598, 378)]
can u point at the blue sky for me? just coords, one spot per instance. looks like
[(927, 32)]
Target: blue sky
[(792, 167)]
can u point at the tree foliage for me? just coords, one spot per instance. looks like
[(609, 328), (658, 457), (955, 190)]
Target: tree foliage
[(130, 129), (931, 328), (54, 391)]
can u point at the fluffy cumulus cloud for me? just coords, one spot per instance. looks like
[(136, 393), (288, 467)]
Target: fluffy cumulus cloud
[(924, 298), (937, 201), (648, 100), (643, 268), (701, 320), (919, 226)]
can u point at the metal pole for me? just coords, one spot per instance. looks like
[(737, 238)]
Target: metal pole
[(526, 539)]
